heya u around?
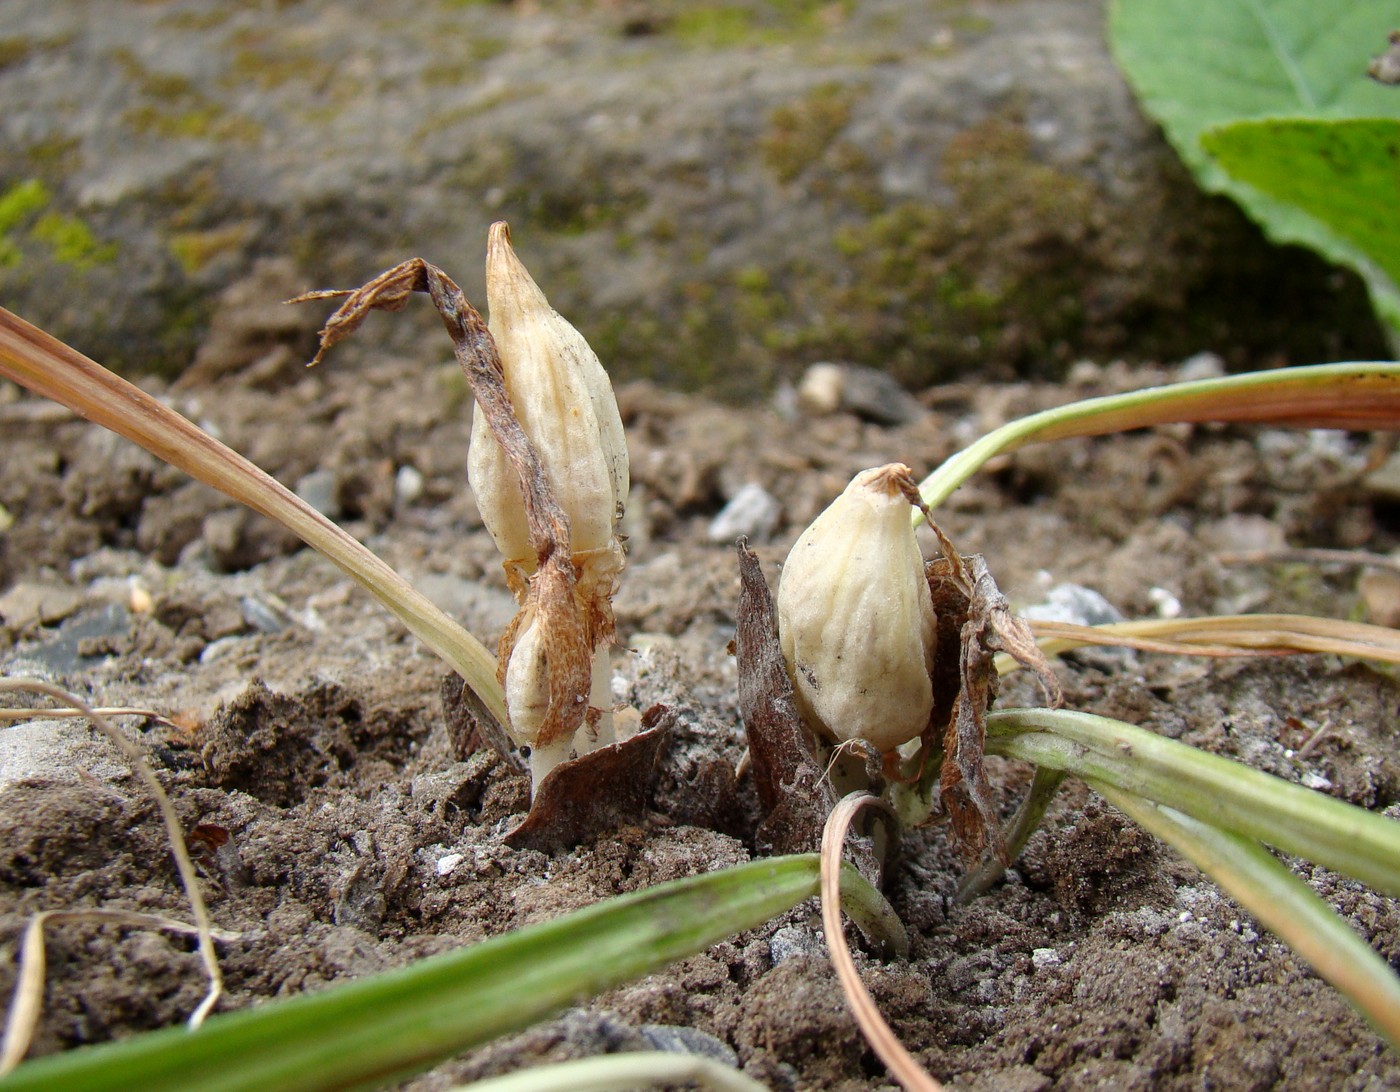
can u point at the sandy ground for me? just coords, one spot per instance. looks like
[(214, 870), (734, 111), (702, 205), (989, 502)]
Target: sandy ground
[(310, 731)]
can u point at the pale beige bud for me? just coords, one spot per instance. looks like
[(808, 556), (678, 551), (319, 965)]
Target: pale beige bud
[(565, 404), (855, 617), (527, 702)]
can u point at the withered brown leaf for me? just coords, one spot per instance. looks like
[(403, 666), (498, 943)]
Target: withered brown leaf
[(793, 790), (595, 792)]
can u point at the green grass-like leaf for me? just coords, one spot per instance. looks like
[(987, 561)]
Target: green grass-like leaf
[(1215, 790), (1281, 902), (1355, 396), (382, 1028), (1215, 812)]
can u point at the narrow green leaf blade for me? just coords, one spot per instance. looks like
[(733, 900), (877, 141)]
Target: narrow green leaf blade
[(367, 1032), (1354, 396), (1215, 790), (1282, 903)]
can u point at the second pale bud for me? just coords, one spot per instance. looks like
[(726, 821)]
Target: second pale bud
[(565, 404), (855, 616)]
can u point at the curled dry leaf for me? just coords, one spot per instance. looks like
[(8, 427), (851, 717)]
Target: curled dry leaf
[(470, 725), (793, 789), (967, 600), (550, 593), (599, 791)]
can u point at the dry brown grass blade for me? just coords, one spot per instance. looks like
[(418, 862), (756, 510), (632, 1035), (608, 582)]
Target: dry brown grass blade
[(100, 710), (136, 757), (1310, 556), (878, 1034), (1229, 635), (43, 364), (23, 1015)]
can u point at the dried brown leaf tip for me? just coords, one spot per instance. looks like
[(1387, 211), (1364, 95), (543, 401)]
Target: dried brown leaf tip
[(1386, 68)]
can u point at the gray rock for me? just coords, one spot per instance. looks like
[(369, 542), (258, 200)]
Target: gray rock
[(907, 188), (58, 750), (1076, 604), (319, 489), (866, 392), (794, 940), (263, 614), (683, 1040), (80, 644), (752, 511)]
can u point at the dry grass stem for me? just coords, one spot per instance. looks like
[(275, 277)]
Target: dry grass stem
[(1227, 635), (100, 710), (137, 758), (43, 364), (877, 1032), (23, 1015), (1313, 556)]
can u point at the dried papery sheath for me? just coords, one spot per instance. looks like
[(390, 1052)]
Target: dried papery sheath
[(565, 404), (855, 617), (562, 557)]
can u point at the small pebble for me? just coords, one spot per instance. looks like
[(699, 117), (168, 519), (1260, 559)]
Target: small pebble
[(1200, 366), (1041, 958), (408, 484), (1076, 604), (447, 863), (793, 940), (752, 511), (263, 614), (1165, 603), (675, 1039)]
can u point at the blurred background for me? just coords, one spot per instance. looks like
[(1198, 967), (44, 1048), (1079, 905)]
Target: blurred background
[(718, 193)]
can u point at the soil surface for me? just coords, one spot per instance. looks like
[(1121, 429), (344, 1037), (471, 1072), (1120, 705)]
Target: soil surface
[(310, 730)]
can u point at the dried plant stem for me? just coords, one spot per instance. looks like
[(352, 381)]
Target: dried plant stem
[(876, 1031), (23, 1015), (100, 710), (1028, 817), (1226, 635), (1350, 395), (59, 372), (1310, 556), (628, 1069), (137, 758)]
